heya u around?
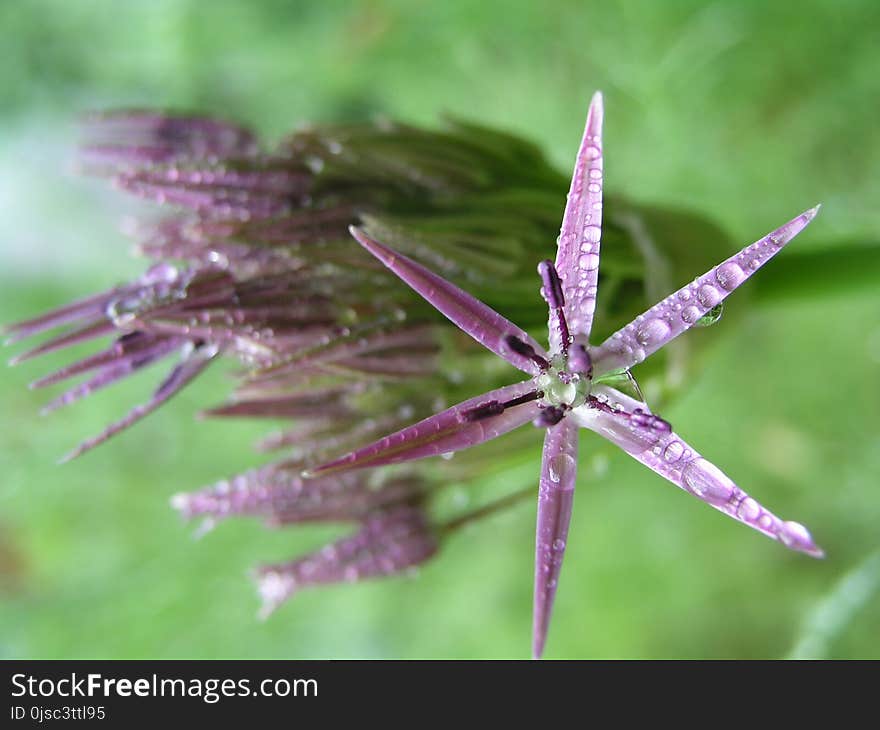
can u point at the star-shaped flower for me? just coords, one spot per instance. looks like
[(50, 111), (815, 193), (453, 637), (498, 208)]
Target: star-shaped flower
[(565, 388)]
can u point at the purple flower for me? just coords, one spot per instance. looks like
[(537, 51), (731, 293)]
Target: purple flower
[(569, 387)]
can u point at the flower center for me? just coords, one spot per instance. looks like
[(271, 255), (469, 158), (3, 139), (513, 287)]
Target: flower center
[(561, 387)]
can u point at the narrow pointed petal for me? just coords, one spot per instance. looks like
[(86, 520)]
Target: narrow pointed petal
[(555, 498), (88, 332), (282, 496), (445, 432), (138, 137), (681, 310), (115, 371), (320, 403), (470, 315), (123, 347), (89, 307), (671, 457), (389, 542), (577, 258), (182, 374)]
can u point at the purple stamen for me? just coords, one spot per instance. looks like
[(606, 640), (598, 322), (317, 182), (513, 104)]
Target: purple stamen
[(552, 293), (638, 418), (549, 416), (600, 405), (496, 408), (485, 410), (525, 350), (643, 419)]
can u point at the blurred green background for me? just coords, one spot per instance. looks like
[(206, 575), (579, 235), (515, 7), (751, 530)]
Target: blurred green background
[(746, 112)]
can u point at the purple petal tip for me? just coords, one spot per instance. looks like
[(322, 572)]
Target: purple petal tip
[(792, 228), (597, 107), (383, 253), (795, 536)]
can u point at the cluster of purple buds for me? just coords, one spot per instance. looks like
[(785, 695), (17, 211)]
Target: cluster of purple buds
[(254, 263)]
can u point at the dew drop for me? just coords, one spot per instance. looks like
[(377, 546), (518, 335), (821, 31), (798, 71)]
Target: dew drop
[(592, 233), (748, 510), (559, 545), (596, 174), (592, 152), (707, 482), (589, 262), (652, 332), (794, 534), (708, 296), (712, 316), (730, 276), (161, 274), (594, 187), (673, 451), (560, 467)]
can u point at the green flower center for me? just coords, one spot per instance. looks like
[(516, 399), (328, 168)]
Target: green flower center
[(561, 387)]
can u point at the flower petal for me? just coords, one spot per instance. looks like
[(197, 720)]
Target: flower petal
[(555, 497), (577, 259), (681, 310), (190, 367), (445, 432), (280, 495), (470, 315), (115, 370), (388, 543), (672, 458)]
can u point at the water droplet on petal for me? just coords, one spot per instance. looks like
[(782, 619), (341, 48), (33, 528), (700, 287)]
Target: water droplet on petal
[(690, 315), (707, 482), (748, 510), (589, 261), (559, 545), (560, 467), (794, 534), (708, 296), (592, 233), (730, 275), (673, 451), (652, 332), (712, 316)]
